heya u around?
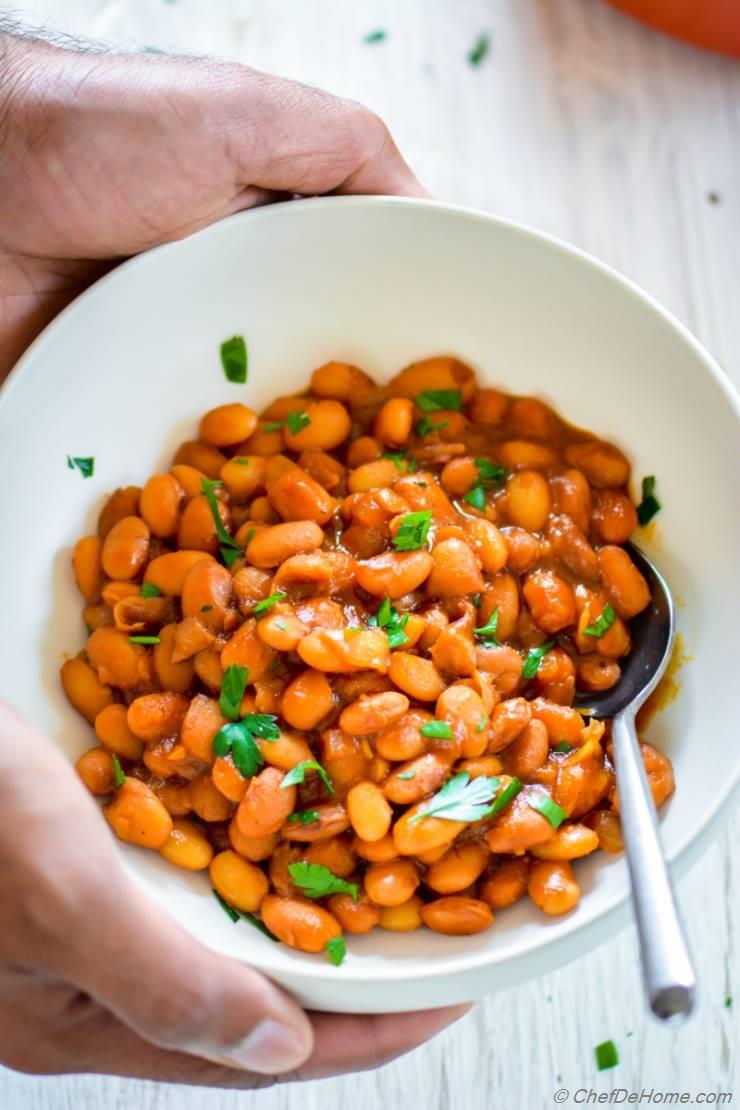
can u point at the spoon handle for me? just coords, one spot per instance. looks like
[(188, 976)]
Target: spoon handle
[(666, 964)]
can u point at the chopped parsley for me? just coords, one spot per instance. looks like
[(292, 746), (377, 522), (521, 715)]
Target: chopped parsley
[(297, 421), (316, 881), (118, 776), (305, 816), (241, 461), (392, 622), (230, 549), (563, 746), (336, 950), (544, 804), (602, 624), (480, 49), (233, 685), (534, 658), (466, 799), (228, 909), (413, 531), (425, 426), (405, 776), (507, 795), (150, 590), (439, 400), (437, 730), (476, 497), (267, 603), (234, 359), (488, 631), (206, 608), (401, 461), (490, 473), (375, 36), (143, 639), (85, 466), (298, 775), (606, 1055), (649, 505), (238, 738), (236, 915), (274, 426)]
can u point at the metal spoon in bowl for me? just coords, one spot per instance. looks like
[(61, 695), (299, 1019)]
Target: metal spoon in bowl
[(666, 965)]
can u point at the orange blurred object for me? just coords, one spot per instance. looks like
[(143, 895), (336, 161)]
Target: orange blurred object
[(714, 24)]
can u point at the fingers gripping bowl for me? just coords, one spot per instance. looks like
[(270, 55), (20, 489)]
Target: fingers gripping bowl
[(161, 370)]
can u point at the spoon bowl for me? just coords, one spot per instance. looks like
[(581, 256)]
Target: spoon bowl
[(666, 964)]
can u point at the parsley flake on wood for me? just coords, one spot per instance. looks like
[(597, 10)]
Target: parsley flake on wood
[(649, 505), (413, 531), (336, 950), (602, 624), (316, 881), (86, 466), (230, 549), (439, 400), (297, 421), (233, 685), (480, 49), (534, 658), (234, 359)]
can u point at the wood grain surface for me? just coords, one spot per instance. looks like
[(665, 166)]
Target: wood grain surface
[(586, 125)]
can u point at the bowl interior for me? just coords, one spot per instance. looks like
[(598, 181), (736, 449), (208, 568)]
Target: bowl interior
[(124, 374)]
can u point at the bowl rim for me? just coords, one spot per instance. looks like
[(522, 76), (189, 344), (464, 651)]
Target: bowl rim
[(696, 836)]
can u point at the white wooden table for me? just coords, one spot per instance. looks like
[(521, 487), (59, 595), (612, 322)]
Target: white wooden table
[(588, 126)]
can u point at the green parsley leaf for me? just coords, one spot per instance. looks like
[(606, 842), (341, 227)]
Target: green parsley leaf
[(603, 623), (488, 631), (316, 881), (206, 608), (490, 472), (85, 466), (563, 746), (297, 421), (437, 730), (274, 426), (298, 774), (425, 427), (440, 400), (267, 603), (606, 1055), (460, 799), (375, 36), (480, 49), (239, 740), (534, 658), (728, 1002), (476, 599), (233, 685), (482, 724), (336, 950), (476, 497), (507, 795), (251, 533), (241, 461), (263, 725), (413, 531), (234, 359), (226, 907), (149, 590), (89, 629), (544, 804), (143, 639), (305, 816), (392, 622), (118, 776), (230, 549), (649, 505), (259, 924), (405, 776)]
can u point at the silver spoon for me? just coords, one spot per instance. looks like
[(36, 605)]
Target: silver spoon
[(666, 965)]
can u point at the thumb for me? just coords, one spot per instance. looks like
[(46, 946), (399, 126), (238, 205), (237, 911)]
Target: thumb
[(177, 993)]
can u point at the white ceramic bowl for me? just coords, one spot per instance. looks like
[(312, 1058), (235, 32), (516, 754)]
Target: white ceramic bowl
[(125, 372)]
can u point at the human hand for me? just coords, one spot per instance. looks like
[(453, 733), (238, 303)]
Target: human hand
[(94, 978), (105, 155)]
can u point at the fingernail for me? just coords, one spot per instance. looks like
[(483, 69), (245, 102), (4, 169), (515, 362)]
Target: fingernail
[(270, 1047)]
